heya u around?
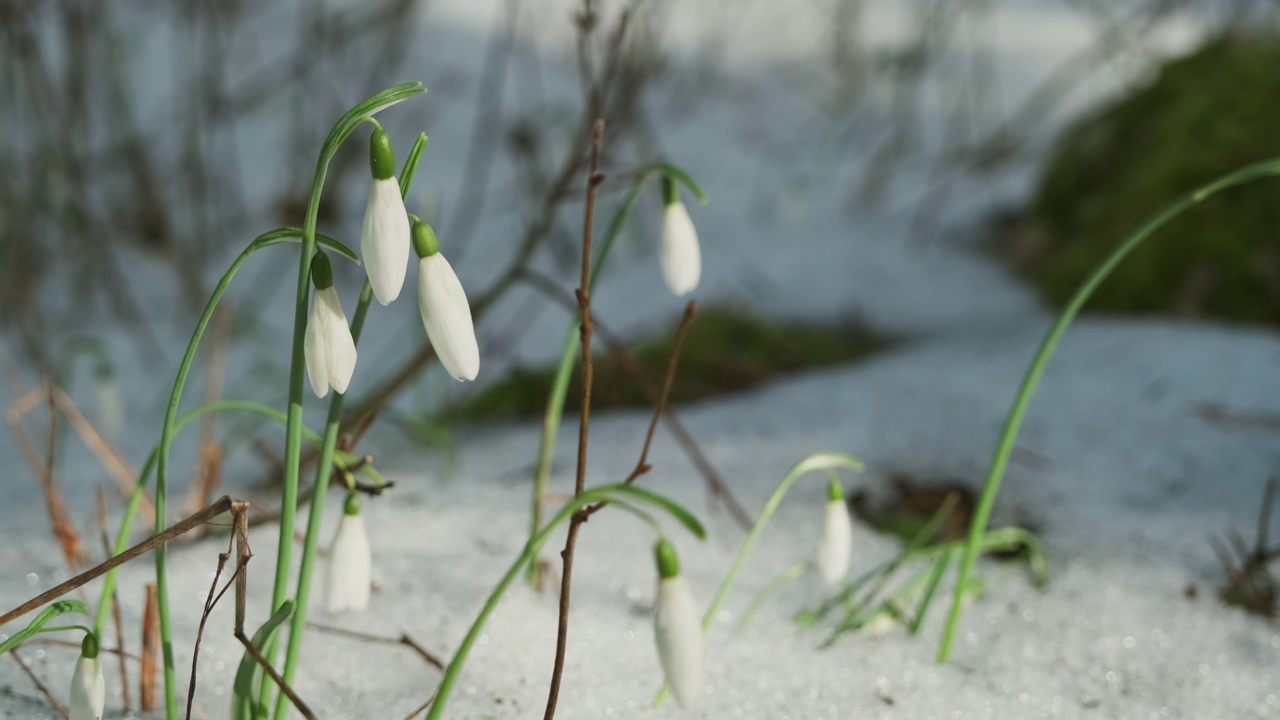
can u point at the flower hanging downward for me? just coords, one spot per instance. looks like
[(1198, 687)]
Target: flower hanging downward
[(327, 346), (680, 256), (384, 237), (88, 689), (350, 563), (444, 308), (677, 628), (836, 545)]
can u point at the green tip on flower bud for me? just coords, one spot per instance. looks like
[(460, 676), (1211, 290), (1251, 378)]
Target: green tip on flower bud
[(382, 159), (670, 192), (89, 646), (321, 271), (424, 240), (668, 562), (835, 490), (352, 506)]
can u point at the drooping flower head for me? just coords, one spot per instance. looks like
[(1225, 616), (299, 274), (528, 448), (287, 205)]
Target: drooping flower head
[(835, 548), (677, 628), (350, 569), (110, 408), (443, 304), (88, 689), (680, 256), (327, 345), (384, 236)]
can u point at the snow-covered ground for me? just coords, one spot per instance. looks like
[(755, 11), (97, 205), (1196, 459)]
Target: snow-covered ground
[(1115, 470)]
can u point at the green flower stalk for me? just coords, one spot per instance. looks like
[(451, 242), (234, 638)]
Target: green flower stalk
[(328, 451)]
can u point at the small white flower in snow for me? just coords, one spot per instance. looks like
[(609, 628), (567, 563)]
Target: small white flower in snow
[(679, 254), (350, 568), (443, 304), (836, 546), (109, 406), (384, 236), (677, 629), (88, 689), (327, 345)]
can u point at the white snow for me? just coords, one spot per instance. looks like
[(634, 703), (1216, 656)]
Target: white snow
[(1114, 468)]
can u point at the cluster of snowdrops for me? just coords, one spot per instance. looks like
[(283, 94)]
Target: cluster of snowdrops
[(328, 348)]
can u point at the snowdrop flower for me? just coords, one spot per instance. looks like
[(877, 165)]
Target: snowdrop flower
[(384, 237), (88, 690), (677, 628), (350, 569), (444, 308), (109, 406), (836, 545), (327, 345), (680, 257)]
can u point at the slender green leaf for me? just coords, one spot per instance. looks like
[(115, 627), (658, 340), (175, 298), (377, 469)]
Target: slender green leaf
[(411, 163), (294, 234), (939, 569), (677, 511), (244, 705), (52, 611)]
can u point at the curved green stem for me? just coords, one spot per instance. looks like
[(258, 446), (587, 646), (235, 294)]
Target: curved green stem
[(293, 433), (1018, 410), (166, 439), (604, 493), (298, 623), (820, 461), (140, 487), (569, 349)]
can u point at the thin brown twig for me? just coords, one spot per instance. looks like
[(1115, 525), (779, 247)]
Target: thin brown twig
[(210, 601), (421, 708), (584, 419), (110, 457), (630, 364), (660, 405), (150, 649), (39, 685), (404, 639), (240, 534), (222, 505), (275, 676), (673, 362), (59, 520)]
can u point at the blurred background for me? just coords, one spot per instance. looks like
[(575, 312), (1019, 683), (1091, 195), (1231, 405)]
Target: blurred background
[(878, 171)]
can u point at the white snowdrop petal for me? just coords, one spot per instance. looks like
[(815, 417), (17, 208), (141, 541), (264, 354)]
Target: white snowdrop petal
[(678, 633), (313, 351), (340, 347), (109, 405), (350, 567), (88, 690), (447, 317), (836, 546), (384, 240), (679, 254)]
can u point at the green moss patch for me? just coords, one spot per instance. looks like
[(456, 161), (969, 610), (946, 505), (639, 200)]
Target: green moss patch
[(1200, 117), (727, 351)]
